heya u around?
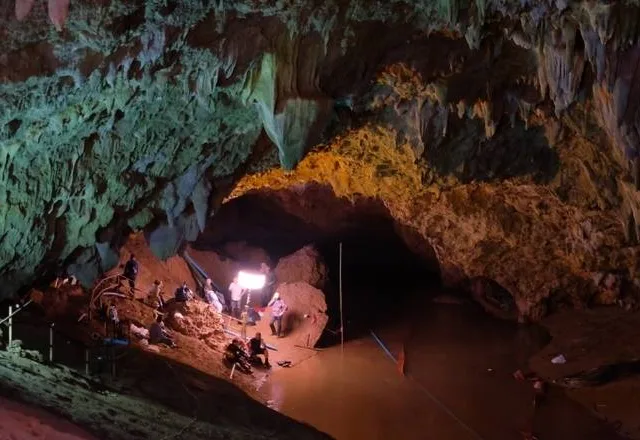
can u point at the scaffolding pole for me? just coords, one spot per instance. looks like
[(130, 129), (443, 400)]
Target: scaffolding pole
[(340, 289)]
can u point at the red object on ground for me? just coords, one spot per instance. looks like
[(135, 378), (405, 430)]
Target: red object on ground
[(519, 375)]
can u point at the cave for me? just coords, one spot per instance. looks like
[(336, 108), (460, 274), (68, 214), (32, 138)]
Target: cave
[(477, 163), (382, 277)]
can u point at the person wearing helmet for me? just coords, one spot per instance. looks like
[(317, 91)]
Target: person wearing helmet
[(278, 309)]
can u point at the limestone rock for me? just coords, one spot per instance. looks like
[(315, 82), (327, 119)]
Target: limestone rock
[(501, 133), (306, 317), (304, 265)]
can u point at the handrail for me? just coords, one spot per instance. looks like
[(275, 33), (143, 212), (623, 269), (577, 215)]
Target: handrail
[(96, 294), (19, 309)]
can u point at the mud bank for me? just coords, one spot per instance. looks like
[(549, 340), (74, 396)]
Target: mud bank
[(591, 339)]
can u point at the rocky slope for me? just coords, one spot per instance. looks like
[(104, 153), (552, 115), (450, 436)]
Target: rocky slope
[(504, 133)]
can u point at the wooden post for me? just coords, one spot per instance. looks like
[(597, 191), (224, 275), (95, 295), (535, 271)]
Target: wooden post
[(243, 331), (51, 343), (86, 361), (10, 325), (340, 289), (113, 361)]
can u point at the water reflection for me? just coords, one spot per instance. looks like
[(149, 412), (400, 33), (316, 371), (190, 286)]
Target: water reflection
[(460, 356)]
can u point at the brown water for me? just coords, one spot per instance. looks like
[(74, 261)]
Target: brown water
[(459, 364)]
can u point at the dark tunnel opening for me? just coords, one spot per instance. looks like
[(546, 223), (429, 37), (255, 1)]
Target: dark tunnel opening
[(382, 278)]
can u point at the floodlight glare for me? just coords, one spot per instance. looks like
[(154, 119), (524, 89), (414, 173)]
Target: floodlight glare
[(251, 280)]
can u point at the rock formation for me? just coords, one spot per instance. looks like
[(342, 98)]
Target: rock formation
[(304, 265), (503, 133), (307, 316)]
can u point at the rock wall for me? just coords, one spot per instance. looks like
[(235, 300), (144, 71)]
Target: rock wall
[(503, 132), (304, 265)]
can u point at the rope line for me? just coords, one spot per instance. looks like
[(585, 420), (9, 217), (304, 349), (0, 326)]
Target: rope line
[(426, 391)]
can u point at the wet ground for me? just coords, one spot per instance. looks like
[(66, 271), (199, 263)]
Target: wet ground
[(460, 386)]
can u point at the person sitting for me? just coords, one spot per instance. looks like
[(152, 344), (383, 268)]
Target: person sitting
[(183, 293), (212, 298), (235, 354), (252, 316), (158, 333), (257, 347)]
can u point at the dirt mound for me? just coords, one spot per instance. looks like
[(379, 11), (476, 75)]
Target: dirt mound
[(307, 317), (305, 265), (172, 272), (66, 300), (196, 319)]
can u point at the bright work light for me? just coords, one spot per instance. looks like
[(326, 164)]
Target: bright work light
[(251, 280)]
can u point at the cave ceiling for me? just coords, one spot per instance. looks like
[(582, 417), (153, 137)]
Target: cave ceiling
[(504, 132)]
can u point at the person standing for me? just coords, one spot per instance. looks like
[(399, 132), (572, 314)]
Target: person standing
[(236, 291), (131, 271), (278, 309), (155, 295)]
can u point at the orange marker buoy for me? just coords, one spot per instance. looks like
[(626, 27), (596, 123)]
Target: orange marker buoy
[(400, 361)]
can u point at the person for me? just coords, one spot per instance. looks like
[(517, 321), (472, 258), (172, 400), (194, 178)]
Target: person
[(278, 309), (257, 348), (236, 291), (131, 271), (155, 295), (158, 333), (236, 354), (183, 293), (212, 298), (113, 321)]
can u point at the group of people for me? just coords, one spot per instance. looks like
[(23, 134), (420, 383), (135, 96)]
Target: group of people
[(243, 356), (235, 352)]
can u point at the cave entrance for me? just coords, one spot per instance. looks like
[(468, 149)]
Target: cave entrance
[(382, 278)]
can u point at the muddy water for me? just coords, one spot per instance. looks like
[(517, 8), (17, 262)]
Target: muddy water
[(460, 385)]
